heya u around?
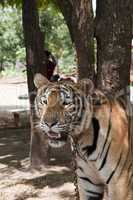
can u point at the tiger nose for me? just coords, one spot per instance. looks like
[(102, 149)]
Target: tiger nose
[(50, 124)]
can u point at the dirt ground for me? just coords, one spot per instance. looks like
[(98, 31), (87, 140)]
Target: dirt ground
[(19, 182)]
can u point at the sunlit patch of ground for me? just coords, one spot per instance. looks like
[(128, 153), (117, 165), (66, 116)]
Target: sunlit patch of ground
[(19, 182)]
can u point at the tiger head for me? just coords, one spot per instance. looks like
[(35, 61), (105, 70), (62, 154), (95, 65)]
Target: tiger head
[(63, 108)]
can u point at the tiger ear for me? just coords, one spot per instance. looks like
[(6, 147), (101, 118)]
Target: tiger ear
[(40, 80), (87, 86)]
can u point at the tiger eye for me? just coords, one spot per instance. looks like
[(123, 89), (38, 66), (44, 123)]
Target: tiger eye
[(43, 100), (65, 103)]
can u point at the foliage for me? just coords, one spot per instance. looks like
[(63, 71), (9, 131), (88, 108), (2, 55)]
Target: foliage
[(18, 3), (11, 37), (57, 38), (13, 72)]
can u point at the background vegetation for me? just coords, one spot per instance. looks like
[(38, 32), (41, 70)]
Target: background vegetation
[(12, 49), (57, 38)]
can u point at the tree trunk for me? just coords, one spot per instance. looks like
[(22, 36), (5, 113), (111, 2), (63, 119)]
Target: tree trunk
[(79, 18), (34, 42), (1, 65), (113, 34)]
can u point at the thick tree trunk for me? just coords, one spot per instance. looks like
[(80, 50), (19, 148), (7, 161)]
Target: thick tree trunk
[(79, 18), (34, 42), (113, 34)]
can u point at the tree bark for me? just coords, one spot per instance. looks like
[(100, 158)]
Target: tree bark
[(1, 65), (113, 35), (79, 18), (34, 43), (34, 40)]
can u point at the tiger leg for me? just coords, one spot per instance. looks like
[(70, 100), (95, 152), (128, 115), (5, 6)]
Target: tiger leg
[(88, 190)]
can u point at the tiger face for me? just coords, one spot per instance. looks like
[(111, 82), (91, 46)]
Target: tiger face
[(62, 108)]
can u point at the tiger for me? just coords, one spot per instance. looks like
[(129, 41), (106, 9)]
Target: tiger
[(99, 128)]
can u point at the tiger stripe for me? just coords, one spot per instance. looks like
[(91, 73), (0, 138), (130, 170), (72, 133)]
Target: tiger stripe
[(101, 130)]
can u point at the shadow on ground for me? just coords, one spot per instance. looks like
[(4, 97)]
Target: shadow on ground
[(18, 181), (14, 147)]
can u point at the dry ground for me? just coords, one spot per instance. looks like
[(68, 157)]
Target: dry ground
[(19, 182)]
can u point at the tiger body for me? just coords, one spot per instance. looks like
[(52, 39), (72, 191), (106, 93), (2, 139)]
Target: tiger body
[(110, 164), (101, 136)]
